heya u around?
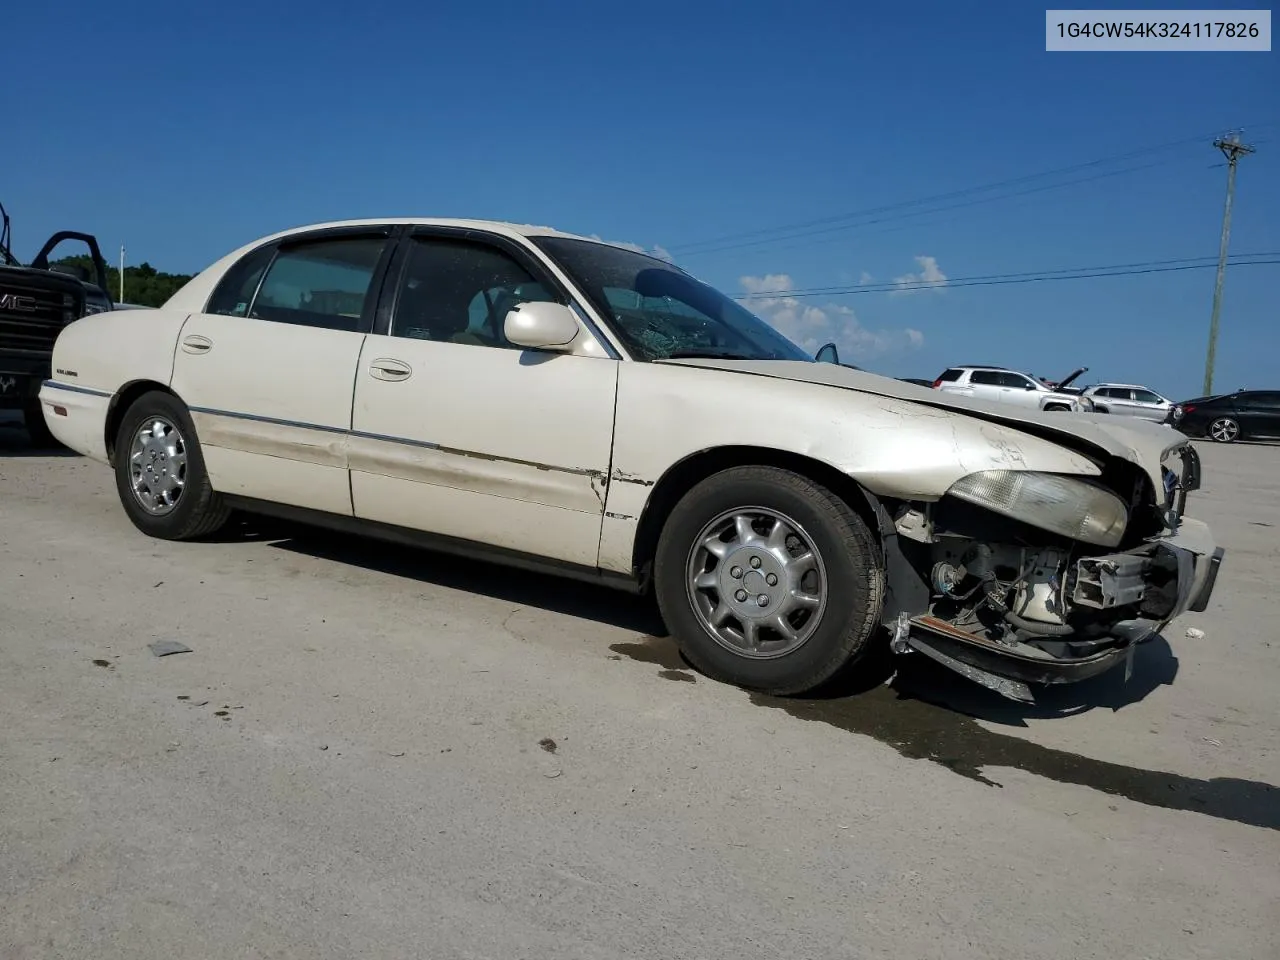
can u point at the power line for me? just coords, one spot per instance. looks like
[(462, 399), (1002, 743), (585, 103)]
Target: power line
[(878, 286), (714, 244), (839, 228), (1079, 273)]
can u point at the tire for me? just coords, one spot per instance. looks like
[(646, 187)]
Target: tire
[(1056, 408), (848, 576), (185, 510), (1223, 430), (38, 431)]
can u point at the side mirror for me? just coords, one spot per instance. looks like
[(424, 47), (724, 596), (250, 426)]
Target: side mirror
[(540, 325), (827, 354), (1029, 386)]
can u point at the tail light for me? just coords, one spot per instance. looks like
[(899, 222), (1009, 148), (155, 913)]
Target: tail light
[(937, 383)]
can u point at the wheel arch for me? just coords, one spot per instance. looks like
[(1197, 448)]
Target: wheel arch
[(120, 402), (681, 476)]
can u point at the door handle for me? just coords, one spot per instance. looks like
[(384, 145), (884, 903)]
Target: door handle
[(196, 344), (384, 369)]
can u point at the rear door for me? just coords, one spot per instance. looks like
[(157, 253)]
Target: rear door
[(268, 370), (1120, 401), (987, 385), (1259, 412)]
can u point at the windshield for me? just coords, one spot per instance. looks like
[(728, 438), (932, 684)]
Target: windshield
[(660, 312)]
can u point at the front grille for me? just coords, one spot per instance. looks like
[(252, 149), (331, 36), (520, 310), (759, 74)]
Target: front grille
[(32, 313)]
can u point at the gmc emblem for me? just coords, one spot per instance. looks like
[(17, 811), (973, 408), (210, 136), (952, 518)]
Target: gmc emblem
[(19, 304)]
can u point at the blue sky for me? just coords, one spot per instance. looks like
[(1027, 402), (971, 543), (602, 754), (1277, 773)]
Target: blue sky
[(183, 133)]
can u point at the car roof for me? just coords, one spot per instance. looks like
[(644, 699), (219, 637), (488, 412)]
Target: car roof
[(195, 293), (1124, 386), (497, 226)]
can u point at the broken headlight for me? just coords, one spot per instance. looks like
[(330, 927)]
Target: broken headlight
[(1065, 505)]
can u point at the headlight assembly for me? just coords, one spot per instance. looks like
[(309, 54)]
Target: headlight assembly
[(1064, 505)]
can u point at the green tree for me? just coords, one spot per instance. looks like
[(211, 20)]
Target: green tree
[(143, 284)]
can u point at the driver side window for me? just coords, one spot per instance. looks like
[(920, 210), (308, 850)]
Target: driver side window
[(460, 291)]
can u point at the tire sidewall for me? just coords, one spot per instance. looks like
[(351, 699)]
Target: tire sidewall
[(848, 594), (173, 524)]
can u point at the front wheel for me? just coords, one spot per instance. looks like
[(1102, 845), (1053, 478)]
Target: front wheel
[(1224, 430), (160, 473), (768, 580)]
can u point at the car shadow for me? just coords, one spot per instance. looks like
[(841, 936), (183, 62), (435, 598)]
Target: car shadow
[(919, 709), (911, 677), (15, 443), (546, 591)]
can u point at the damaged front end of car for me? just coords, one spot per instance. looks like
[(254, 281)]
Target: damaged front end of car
[(1036, 578)]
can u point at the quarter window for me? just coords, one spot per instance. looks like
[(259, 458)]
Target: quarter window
[(235, 290), (457, 291), (324, 283)]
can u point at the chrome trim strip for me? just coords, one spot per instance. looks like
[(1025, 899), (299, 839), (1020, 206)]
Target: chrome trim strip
[(71, 388), (405, 441), (274, 420)]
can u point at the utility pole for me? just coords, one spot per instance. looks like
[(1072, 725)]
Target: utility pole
[(121, 273), (1233, 150)]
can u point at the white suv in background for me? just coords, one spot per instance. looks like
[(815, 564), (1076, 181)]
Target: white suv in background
[(1007, 386), (1129, 400)]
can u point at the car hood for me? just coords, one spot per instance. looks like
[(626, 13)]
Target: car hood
[(1099, 435)]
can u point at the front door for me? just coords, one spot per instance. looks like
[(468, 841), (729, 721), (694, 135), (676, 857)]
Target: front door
[(459, 433), (267, 372)]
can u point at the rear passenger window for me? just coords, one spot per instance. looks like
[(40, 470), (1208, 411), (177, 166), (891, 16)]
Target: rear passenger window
[(324, 283), (987, 378)]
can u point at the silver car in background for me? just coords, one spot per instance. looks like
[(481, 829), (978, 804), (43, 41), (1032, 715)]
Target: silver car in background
[(1128, 400)]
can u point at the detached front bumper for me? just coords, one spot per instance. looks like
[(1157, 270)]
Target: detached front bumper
[(1162, 580)]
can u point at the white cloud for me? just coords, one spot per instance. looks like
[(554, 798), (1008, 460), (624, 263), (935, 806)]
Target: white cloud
[(810, 327), (930, 277), (865, 279), (657, 250)]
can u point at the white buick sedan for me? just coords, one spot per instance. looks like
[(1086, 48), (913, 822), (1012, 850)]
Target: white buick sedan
[(538, 398)]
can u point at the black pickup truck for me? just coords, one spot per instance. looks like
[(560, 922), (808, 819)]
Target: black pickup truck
[(36, 302)]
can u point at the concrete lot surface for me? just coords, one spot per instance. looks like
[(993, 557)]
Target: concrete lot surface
[(371, 752)]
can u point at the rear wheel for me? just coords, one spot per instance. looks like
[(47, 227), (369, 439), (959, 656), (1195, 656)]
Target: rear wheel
[(1224, 430), (38, 431), (160, 473), (768, 580)]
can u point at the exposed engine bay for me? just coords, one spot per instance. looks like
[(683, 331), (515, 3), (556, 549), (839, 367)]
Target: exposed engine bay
[(1013, 600)]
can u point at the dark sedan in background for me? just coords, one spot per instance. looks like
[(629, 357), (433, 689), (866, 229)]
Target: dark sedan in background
[(1243, 415)]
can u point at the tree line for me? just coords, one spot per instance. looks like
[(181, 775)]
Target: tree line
[(143, 284)]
